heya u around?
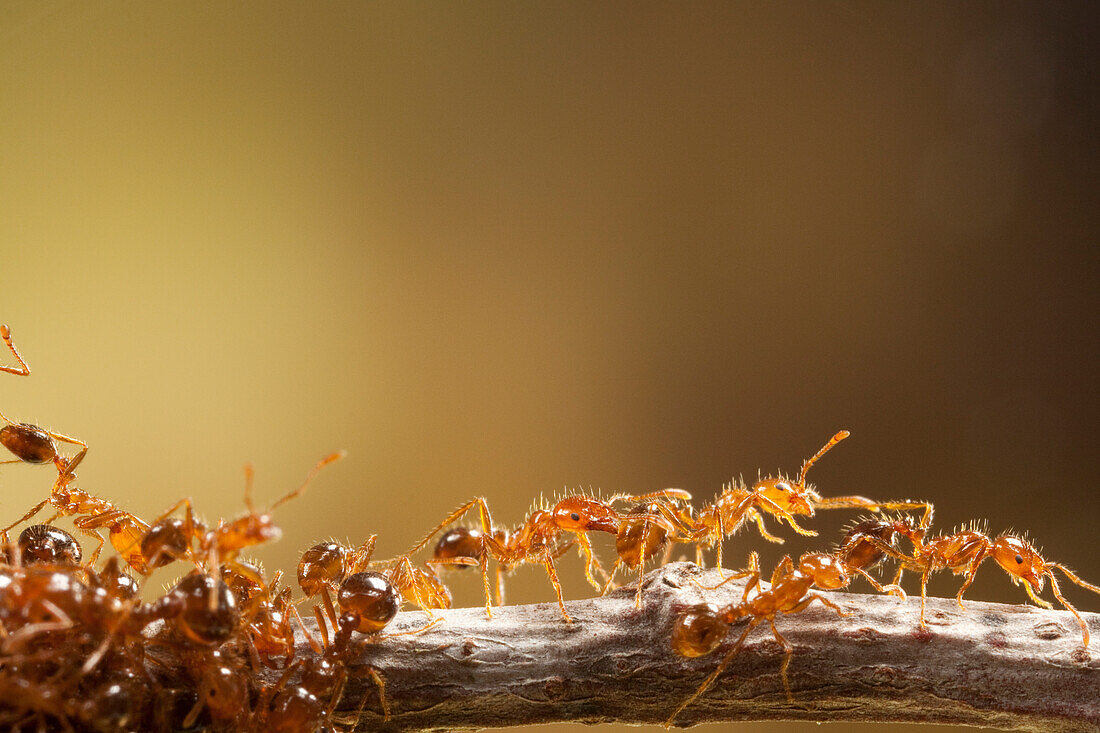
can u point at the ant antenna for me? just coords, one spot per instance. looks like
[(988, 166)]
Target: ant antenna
[(332, 458), (824, 449), (5, 333), (249, 474)]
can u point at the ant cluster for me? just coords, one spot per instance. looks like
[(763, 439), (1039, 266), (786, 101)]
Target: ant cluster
[(81, 650)]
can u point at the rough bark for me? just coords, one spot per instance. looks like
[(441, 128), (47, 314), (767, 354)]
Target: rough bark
[(1013, 667)]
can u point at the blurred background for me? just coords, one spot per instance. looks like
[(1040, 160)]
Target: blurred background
[(504, 250)]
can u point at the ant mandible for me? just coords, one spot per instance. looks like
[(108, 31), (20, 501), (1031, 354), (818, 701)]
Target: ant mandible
[(30, 443)]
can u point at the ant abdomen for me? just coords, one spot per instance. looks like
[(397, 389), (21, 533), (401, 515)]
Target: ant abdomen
[(371, 599), (698, 630), (321, 564), (200, 618), (639, 538), (459, 542), (49, 545), (29, 443)]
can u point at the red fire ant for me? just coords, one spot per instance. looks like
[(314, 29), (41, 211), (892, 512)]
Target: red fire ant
[(700, 629), (537, 540), (126, 530), (325, 566), (782, 498), (964, 551), (30, 443)]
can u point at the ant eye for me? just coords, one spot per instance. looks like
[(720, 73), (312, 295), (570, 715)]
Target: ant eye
[(1019, 560), (575, 517)]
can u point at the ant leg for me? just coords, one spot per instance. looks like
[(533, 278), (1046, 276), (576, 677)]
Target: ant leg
[(331, 458), (23, 370), (923, 595), (783, 568), (557, 587), (483, 513), (893, 588), (801, 605), (726, 579), (721, 540), (971, 571), (322, 626), (421, 630), (500, 585), (317, 648), (378, 680), (37, 508), (1068, 606), (717, 671), (360, 557), (589, 559), (756, 517), (614, 569), (788, 653)]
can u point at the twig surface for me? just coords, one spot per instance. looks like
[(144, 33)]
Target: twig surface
[(1012, 667)]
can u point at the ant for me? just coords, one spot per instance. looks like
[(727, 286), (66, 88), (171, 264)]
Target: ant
[(325, 566), (964, 551), (30, 443), (782, 498), (537, 540), (368, 602), (126, 530), (171, 539), (648, 528), (699, 630)]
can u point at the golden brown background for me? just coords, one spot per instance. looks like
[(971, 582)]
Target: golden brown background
[(503, 249)]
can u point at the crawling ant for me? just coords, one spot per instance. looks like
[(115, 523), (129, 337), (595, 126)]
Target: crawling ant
[(327, 565), (699, 630), (538, 540), (648, 528), (964, 551), (368, 602), (779, 496), (170, 538), (30, 443), (126, 530)]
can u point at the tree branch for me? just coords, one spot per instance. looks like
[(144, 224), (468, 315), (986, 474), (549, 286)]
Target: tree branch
[(1012, 667)]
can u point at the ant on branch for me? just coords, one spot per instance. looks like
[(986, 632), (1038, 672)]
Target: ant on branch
[(30, 443), (782, 498), (699, 630), (537, 540), (964, 551), (126, 530), (325, 567), (648, 528)]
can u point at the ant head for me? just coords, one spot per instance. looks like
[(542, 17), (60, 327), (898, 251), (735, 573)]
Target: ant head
[(828, 572), (254, 529), (324, 563), (791, 497), (583, 514), (698, 630), (1020, 560)]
